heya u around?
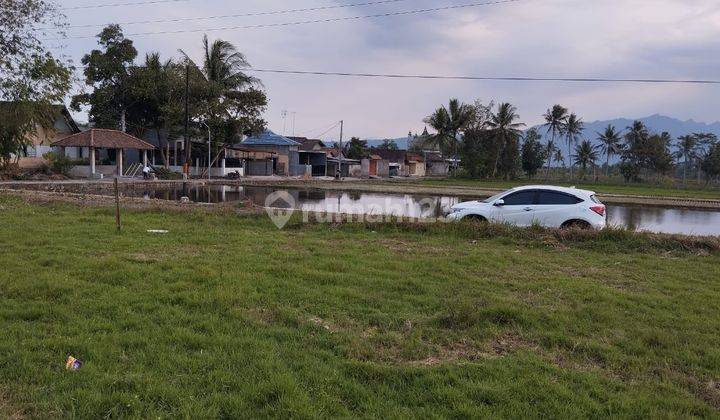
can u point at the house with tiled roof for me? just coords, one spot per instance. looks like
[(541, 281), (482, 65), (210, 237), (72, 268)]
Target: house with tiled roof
[(40, 140)]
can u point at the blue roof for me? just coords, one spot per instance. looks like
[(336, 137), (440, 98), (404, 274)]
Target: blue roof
[(268, 138)]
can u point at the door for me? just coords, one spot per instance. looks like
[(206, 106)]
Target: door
[(554, 207), (519, 208)]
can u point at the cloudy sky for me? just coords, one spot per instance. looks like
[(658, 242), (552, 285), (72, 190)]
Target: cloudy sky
[(537, 38)]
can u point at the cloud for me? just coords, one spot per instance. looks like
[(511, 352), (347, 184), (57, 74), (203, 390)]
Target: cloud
[(612, 38)]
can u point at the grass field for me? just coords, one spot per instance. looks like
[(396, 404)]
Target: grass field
[(691, 191), (226, 316)]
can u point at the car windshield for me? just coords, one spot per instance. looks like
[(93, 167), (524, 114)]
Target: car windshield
[(495, 197)]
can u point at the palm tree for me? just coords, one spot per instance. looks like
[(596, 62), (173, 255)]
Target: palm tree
[(555, 120), (504, 125), (610, 144), (574, 127), (585, 154), (687, 149), (558, 157), (448, 122)]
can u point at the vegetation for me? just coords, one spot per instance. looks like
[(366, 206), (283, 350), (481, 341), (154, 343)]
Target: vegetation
[(533, 153), (585, 155), (356, 149), (449, 321), (150, 96), (59, 164), (31, 79)]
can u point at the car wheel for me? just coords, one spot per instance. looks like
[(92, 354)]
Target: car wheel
[(576, 224), (474, 218)]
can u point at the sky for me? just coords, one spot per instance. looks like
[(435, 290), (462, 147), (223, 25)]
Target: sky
[(674, 39)]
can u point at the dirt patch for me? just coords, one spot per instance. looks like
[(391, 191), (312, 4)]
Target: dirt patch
[(8, 410)]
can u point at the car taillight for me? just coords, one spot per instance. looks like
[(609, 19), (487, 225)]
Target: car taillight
[(599, 210)]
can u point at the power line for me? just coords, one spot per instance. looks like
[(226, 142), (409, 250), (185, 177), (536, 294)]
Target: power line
[(240, 15), (497, 78), (137, 3), (307, 22)]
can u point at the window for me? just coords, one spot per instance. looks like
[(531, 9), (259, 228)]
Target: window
[(555, 198), (595, 199), (522, 198)]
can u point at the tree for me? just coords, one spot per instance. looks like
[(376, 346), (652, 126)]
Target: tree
[(506, 132), (585, 154), (643, 150), (472, 152), (610, 144), (710, 162), (555, 120), (704, 141), (231, 102), (108, 73), (448, 123), (573, 129), (659, 158), (389, 145), (356, 149), (31, 79), (687, 150), (533, 153), (159, 88)]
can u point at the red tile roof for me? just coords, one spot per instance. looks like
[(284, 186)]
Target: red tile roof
[(105, 139)]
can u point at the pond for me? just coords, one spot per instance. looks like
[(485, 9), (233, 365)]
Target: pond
[(635, 217)]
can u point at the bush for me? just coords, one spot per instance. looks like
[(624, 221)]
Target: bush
[(163, 173), (59, 164)]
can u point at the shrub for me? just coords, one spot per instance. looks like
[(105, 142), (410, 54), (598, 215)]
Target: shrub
[(59, 164)]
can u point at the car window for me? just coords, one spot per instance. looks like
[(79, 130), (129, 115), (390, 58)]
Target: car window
[(494, 197), (521, 198), (550, 198), (595, 199)]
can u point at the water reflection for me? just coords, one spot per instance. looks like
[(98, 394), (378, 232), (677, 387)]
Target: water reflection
[(654, 219)]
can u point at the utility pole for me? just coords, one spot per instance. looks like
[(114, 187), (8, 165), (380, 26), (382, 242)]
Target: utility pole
[(209, 151), (342, 123), (188, 145), (123, 124)]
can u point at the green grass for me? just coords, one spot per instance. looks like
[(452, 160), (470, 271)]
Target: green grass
[(226, 316), (693, 191)]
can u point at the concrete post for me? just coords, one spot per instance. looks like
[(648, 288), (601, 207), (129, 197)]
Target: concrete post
[(119, 162), (92, 160), (145, 158)]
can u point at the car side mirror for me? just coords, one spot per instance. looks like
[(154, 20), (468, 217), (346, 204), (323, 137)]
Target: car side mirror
[(499, 203)]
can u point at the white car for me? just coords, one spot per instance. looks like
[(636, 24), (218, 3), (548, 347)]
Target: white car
[(555, 207)]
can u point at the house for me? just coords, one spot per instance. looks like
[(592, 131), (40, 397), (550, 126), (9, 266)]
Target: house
[(436, 164), (337, 159), (287, 162), (253, 162), (313, 152), (401, 162), (40, 140), (376, 167)]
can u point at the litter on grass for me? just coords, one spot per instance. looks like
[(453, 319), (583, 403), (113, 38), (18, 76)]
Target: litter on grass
[(73, 363), (159, 232)]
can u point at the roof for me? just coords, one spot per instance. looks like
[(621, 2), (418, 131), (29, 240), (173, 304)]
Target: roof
[(268, 138), (59, 109), (554, 188), (414, 157), (389, 154), (309, 145), (105, 139)]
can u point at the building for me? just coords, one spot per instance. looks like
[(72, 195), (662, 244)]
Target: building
[(400, 163), (287, 162), (40, 140), (105, 150), (313, 152)]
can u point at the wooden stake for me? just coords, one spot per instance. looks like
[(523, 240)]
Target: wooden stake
[(117, 206)]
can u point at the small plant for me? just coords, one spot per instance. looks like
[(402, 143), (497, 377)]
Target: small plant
[(163, 173), (59, 164)]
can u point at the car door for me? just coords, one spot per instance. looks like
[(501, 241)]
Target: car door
[(518, 208), (554, 208)]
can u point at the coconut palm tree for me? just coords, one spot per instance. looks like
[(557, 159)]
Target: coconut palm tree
[(610, 144), (555, 120), (687, 150), (585, 154), (558, 157), (574, 127), (505, 128), (449, 122)]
